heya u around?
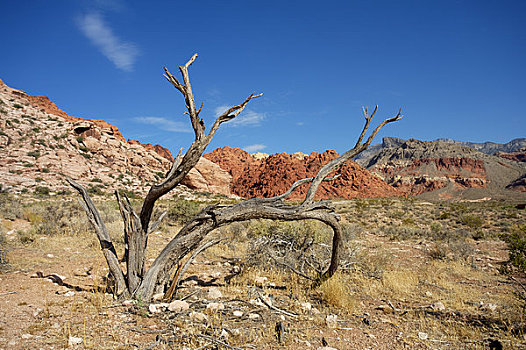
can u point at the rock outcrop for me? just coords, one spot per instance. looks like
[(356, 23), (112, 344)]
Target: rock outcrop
[(445, 170), (273, 175), (40, 144)]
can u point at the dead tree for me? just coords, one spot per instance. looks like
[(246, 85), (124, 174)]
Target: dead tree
[(139, 282)]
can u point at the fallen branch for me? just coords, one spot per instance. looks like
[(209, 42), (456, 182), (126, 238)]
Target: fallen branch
[(270, 306), (7, 293), (217, 341)]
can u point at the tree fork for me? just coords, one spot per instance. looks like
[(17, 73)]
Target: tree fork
[(143, 284)]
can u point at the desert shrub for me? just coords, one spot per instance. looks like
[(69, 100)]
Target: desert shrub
[(472, 221), (516, 240), (301, 245), (181, 211), (3, 249), (50, 218), (451, 250), (335, 292), (10, 207), (42, 191), (96, 190), (406, 232), (34, 154)]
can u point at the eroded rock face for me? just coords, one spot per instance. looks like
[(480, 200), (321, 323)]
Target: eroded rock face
[(41, 144), (447, 169), (273, 175), (207, 176)]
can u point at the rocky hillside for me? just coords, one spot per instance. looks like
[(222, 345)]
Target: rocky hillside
[(40, 144), (272, 175), (514, 150), (447, 170)]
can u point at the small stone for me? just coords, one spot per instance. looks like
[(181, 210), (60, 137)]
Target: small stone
[(331, 321), (198, 316), (306, 306), (422, 335), (51, 256), (158, 296), (153, 308), (438, 306), (74, 341), (253, 316), (488, 306), (238, 313), (26, 336), (260, 280), (214, 293), (69, 294), (429, 294), (37, 312), (178, 306), (215, 307)]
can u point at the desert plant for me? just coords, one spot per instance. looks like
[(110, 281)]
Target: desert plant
[(3, 249), (181, 211), (137, 282), (516, 240)]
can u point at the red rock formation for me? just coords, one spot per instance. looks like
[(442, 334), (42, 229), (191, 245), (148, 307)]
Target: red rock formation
[(160, 150), (233, 160), (428, 174), (516, 156), (275, 174)]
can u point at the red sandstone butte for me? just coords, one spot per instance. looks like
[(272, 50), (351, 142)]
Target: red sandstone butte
[(275, 174)]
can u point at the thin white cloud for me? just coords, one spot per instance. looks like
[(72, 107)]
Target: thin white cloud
[(122, 54), (246, 118), (163, 123), (254, 148)]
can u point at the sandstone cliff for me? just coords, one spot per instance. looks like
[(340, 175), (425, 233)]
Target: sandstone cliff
[(40, 144)]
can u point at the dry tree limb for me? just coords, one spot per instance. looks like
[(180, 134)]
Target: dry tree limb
[(139, 283), (272, 307), (217, 341), (104, 238)]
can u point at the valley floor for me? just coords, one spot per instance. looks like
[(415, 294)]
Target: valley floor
[(415, 275)]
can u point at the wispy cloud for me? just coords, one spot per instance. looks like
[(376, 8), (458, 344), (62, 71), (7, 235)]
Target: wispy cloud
[(122, 54), (246, 118), (163, 123), (254, 148)]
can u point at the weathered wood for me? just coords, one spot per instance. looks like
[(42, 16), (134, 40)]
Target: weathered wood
[(143, 284), (104, 238)]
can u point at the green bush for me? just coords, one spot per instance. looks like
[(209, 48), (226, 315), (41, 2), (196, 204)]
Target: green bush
[(42, 191), (34, 154), (10, 207), (516, 240), (181, 211), (3, 250), (472, 221)]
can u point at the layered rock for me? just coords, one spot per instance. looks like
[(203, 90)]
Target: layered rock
[(41, 144), (273, 175), (447, 170)]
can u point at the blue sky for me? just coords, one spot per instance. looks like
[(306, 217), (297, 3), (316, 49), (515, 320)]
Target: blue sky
[(457, 68)]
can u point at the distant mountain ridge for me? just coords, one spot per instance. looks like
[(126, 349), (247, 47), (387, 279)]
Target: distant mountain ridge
[(515, 145), (443, 170)]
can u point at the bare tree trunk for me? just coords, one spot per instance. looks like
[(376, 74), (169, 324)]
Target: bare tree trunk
[(142, 284)]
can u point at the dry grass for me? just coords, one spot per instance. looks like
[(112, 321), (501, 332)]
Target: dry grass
[(401, 258)]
